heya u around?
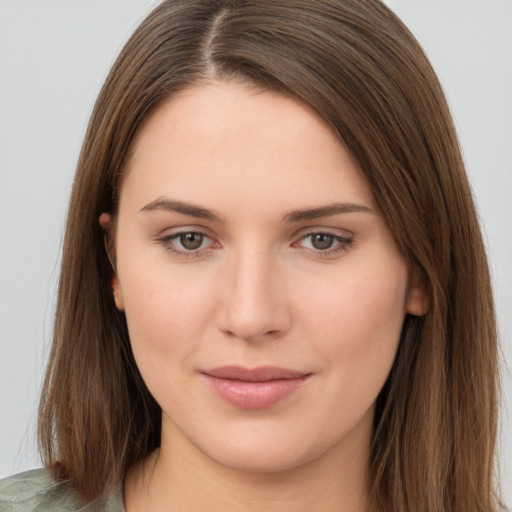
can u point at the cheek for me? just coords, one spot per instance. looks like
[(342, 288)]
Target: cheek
[(166, 312), (357, 321)]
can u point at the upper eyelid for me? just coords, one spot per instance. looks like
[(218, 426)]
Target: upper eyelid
[(337, 232), (175, 231), (333, 232)]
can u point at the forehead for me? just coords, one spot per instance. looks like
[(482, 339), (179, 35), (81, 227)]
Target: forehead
[(215, 140)]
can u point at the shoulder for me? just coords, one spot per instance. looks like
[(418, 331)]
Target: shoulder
[(35, 490)]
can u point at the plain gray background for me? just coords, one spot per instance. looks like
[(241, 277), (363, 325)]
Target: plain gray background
[(54, 55)]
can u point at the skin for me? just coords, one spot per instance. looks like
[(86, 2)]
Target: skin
[(258, 291)]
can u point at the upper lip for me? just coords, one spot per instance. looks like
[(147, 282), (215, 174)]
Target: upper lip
[(260, 374)]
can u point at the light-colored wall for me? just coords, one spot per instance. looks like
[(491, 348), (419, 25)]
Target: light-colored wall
[(54, 56)]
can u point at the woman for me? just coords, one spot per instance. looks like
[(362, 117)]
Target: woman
[(267, 298)]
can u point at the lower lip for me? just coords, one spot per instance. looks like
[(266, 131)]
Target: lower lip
[(255, 395)]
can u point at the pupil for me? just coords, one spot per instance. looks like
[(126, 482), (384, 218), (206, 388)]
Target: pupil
[(191, 241), (322, 241)]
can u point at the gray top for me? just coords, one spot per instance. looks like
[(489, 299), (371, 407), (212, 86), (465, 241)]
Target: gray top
[(35, 490)]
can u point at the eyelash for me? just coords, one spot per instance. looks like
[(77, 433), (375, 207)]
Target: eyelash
[(343, 243), (166, 241)]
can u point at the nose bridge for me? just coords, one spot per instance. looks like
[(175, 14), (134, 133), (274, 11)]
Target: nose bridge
[(254, 305)]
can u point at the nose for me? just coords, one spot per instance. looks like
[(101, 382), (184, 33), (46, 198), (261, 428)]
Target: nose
[(254, 306)]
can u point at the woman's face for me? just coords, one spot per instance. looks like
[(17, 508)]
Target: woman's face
[(263, 291)]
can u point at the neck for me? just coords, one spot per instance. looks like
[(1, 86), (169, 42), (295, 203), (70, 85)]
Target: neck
[(180, 478)]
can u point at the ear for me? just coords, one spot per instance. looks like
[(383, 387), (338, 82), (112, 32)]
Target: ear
[(118, 294), (104, 220), (418, 294)]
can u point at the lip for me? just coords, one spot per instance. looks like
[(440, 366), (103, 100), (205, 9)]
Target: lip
[(254, 388)]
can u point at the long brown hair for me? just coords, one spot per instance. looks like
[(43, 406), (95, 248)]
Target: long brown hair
[(359, 67)]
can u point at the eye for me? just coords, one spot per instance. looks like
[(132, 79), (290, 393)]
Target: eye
[(187, 243), (324, 243)]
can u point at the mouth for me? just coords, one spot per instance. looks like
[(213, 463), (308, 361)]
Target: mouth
[(255, 388)]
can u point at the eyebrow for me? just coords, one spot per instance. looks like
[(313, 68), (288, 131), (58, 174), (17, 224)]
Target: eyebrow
[(162, 204), (325, 211)]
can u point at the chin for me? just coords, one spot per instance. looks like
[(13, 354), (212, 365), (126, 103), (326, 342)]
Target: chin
[(261, 461), (270, 451)]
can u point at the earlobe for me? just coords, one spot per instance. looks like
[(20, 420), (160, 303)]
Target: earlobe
[(418, 294)]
